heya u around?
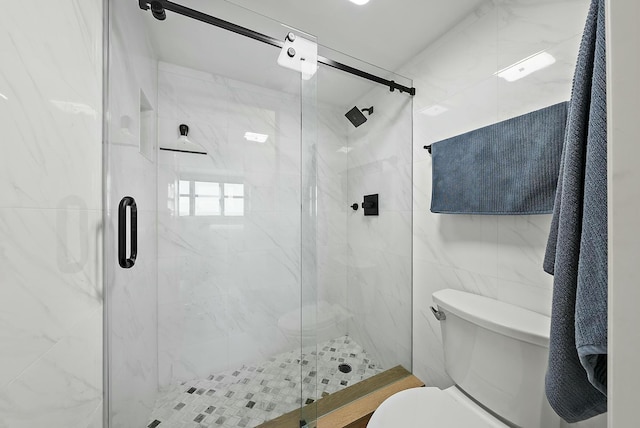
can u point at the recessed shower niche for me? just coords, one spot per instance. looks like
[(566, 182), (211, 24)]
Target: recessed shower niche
[(253, 283)]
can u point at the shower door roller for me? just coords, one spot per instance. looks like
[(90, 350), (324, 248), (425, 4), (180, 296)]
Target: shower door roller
[(124, 261)]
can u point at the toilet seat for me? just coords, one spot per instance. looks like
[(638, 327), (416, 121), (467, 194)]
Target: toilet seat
[(431, 407)]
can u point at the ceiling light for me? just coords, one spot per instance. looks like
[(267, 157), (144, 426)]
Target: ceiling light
[(359, 2), (344, 149), (526, 66), (3, 96), (258, 138), (434, 110)]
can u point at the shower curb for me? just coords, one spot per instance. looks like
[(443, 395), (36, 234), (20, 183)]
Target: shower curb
[(353, 406)]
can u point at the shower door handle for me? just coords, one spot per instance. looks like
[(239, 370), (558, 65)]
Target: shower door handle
[(127, 263)]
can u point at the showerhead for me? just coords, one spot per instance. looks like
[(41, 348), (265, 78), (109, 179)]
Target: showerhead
[(356, 117), (158, 11)]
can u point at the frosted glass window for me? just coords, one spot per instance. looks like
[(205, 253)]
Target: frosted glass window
[(184, 187), (233, 207), (184, 205), (207, 198), (210, 198), (233, 199), (207, 188), (233, 190), (207, 206), (184, 200)]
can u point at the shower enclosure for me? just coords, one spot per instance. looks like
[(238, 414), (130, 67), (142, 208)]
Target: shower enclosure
[(244, 277)]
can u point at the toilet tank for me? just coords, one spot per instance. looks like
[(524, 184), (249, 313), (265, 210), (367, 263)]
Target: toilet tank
[(497, 354)]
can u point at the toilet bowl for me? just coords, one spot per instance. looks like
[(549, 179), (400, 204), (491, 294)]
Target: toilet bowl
[(493, 351), (433, 407)]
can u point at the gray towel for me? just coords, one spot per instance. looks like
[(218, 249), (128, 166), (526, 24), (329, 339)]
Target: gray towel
[(508, 168), (576, 381)]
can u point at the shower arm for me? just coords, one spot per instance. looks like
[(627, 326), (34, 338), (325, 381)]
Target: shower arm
[(243, 31)]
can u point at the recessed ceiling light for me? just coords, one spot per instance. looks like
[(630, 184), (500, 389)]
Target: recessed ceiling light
[(434, 110), (258, 138), (359, 2), (526, 66)]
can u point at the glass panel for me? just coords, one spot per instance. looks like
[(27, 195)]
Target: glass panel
[(363, 262), (309, 274), (130, 167), (237, 273), (219, 233)]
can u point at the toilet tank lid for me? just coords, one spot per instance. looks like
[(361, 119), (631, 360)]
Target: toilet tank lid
[(497, 316)]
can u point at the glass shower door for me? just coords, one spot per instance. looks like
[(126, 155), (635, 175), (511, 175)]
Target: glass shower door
[(210, 191)]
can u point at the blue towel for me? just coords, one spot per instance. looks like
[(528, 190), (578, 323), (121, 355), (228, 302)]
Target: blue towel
[(510, 167), (576, 381)]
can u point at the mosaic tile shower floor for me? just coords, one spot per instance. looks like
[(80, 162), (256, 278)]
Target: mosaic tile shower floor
[(253, 394)]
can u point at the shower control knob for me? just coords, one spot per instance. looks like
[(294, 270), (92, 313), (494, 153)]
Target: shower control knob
[(354, 207), (290, 37), (291, 52)]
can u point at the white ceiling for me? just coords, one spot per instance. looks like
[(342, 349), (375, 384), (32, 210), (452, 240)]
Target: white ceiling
[(386, 33)]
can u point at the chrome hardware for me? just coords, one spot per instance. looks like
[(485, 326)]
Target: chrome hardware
[(290, 36), (291, 52), (440, 315)]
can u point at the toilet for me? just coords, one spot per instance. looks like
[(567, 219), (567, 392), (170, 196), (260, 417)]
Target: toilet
[(496, 353)]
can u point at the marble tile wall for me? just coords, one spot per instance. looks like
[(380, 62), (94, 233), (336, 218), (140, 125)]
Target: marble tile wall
[(496, 256), (51, 214), (131, 171), (225, 281), (332, 205)]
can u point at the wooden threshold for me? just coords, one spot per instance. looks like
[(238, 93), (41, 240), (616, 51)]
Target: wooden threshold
[(358, 413), (352, 404)]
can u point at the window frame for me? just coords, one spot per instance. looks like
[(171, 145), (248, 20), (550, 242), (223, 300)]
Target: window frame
[(193, 196)]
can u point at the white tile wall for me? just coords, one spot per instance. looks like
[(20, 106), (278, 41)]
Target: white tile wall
[(50, 214), (500, 257), (333, 205), (623, 93)]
